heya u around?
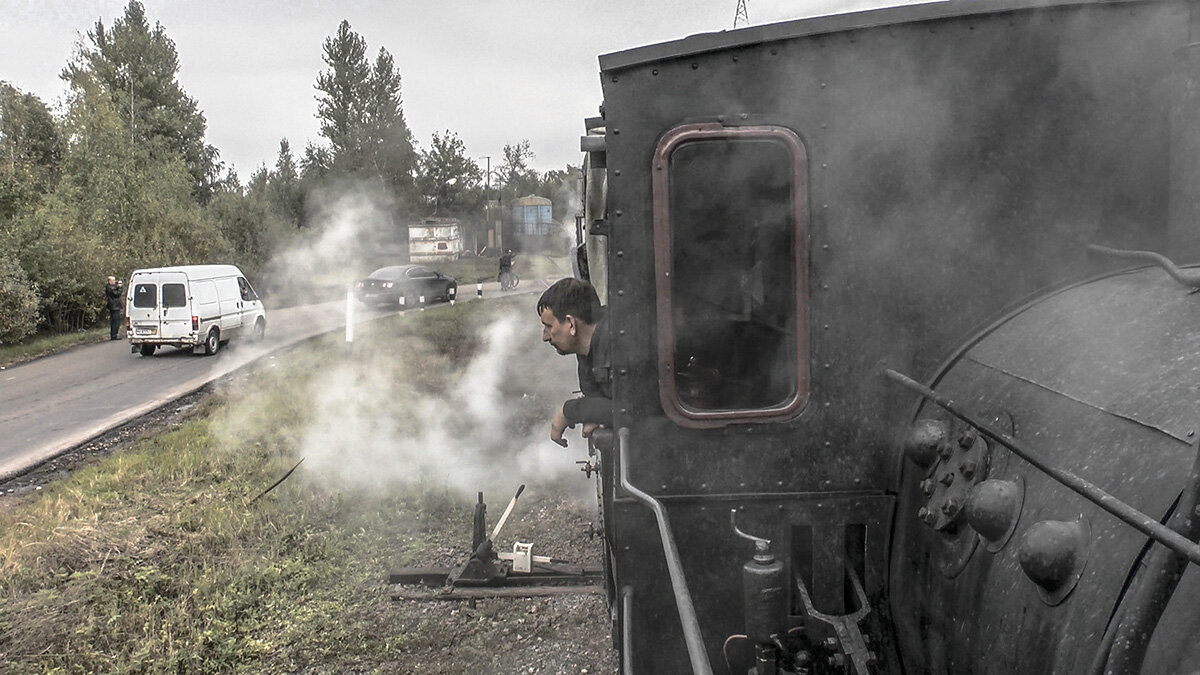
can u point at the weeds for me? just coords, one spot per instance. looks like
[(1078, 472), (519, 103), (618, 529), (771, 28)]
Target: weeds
[(156, 559)]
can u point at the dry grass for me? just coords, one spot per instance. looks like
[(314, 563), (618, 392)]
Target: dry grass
[(160, 558)]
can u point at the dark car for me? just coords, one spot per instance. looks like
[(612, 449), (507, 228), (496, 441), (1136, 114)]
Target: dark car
[(386, 285)]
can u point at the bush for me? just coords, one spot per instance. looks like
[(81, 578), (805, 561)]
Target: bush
[(18, 302)]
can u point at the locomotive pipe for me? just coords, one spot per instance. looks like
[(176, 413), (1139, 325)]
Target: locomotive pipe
[(1124, 512), (683, 597), (1159, 578), (1189, 278)]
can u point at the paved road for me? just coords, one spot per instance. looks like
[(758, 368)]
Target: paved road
[(52, 404)]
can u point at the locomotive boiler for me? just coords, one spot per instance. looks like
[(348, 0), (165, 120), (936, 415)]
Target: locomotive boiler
[(883, 399)]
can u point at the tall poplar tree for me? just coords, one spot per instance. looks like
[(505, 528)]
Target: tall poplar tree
[(361, 115)]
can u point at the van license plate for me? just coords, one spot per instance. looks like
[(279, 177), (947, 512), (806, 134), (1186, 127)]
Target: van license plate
[(146, 331)]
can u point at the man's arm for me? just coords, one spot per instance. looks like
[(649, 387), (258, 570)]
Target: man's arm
[(589, 410)]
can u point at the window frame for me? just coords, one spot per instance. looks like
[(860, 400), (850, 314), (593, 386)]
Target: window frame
[(663, 254)]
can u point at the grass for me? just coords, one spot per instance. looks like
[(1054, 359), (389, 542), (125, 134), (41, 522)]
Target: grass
[(163, 558), (470, 269), (43, 343)]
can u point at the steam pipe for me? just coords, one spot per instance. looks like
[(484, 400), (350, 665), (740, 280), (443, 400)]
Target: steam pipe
[(1159, 578), (1124, 512), (683, 598), (1189, 278)]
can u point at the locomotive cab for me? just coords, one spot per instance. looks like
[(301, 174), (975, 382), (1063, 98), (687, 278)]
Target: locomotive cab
[(776, 219)]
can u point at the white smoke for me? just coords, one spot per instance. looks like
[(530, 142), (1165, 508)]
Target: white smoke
[(487, 430)]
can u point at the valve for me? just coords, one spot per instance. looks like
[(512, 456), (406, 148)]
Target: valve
[(587, 467)]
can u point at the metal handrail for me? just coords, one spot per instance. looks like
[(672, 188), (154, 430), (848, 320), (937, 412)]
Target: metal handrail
[(683, 597)]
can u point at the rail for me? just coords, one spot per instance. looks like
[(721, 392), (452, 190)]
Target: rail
[(683, 597), (1122, 511)]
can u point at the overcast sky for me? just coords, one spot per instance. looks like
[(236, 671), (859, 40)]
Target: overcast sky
[(493, 71)]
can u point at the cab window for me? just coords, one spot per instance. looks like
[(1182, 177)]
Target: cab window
[(247, 291), (730, 220)]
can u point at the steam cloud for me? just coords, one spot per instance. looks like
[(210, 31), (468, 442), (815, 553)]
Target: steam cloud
[(371, 430)]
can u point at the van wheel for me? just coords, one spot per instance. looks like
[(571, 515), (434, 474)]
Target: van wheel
[(148, 350), (260, 330), (212, 343)]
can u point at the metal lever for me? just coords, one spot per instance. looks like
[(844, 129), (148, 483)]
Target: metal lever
[(845, 626)]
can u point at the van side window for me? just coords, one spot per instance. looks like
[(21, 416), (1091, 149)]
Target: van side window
[(173, 295), (248, 293), (730, 222)]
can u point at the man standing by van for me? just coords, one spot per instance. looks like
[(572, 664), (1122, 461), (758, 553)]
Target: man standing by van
[(115, 302)]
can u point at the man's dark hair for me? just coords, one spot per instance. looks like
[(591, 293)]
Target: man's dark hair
[(571, 296)]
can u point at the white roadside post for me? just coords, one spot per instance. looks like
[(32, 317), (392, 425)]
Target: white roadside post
[(422, 303), (350, 320), (479, 289)]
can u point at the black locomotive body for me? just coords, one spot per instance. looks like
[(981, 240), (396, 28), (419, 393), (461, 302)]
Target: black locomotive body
[(778, 217)]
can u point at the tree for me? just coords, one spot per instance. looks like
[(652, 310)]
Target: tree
[(18, 302), (564, 187), (286, 197), (362, 116), (447, 178), (519, 179), (346, 89), (30, 151), (136, 67)]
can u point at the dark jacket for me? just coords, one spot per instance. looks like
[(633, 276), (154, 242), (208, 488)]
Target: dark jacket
[(113, 298), (595, 381)]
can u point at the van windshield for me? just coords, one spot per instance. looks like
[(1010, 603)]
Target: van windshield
[(174, 295)]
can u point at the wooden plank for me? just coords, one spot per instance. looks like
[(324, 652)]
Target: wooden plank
[(505, 592)]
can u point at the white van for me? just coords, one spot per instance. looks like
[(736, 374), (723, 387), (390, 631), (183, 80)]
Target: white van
[(197, 306)]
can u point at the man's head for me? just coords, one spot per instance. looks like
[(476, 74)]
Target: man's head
[(569, 310), (112, 280)]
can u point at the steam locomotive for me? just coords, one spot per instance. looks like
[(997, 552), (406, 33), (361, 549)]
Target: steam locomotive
[(888, 394)]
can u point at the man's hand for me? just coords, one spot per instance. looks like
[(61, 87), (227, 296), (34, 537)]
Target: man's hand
[(558, 425), (589, 427)]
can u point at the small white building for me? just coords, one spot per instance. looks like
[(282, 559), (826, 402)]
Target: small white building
[(434, 240)]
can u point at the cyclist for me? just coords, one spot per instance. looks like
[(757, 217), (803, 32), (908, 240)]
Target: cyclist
[(506, 277)]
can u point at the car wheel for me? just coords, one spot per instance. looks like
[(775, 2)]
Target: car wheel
[(148, 350), (212, 343), (260, 330)]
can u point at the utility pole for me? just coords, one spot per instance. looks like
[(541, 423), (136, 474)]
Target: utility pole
[(740, 18)]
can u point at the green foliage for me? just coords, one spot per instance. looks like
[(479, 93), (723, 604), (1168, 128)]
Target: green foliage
[(18, 302), (362, 117), (134, 67), (448, 178), (30, 152), (285, 192), (519, 179)]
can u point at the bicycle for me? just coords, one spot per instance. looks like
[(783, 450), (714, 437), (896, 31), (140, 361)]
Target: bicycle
[(509, 280)]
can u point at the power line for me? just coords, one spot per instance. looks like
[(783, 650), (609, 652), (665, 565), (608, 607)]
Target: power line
[(740, 18)]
